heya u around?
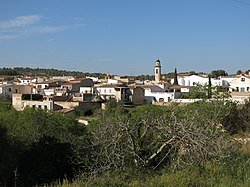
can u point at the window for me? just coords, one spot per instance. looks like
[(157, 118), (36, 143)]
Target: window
[(156, 71), (33, 106), (45, 107), (242, 89), (9, 89), (39, 106), (104, 90), (242, 79), (237, 89), (247, 89), (110, 91)]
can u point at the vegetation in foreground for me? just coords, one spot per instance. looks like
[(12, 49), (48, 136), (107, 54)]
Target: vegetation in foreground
[(144, 146), (233, 173)]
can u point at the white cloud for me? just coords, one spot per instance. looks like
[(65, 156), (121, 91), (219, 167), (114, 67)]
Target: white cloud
[(43, 30), (27, 25), (19, 21), (51, 29), (7, 37)]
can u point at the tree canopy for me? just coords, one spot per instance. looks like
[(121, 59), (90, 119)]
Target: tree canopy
[(217, 73)]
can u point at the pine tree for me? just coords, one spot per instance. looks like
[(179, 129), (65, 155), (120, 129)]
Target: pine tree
[(175, 77), (209, 90)]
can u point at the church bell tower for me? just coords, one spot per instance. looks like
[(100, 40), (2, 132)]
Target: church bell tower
[(157, 71)]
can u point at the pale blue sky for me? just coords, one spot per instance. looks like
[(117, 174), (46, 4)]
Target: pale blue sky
[(125, 37)]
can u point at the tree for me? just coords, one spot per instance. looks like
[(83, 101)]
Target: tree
[(34, 137), (239, 72), (217, 73), (175, 77), (153, 137), (237, 121), (209, 90), (199, 92), (45, 161)]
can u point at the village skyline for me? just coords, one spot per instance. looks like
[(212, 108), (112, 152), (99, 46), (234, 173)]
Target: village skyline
[(22, 71)]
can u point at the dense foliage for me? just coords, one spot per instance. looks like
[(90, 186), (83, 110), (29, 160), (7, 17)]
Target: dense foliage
[(121, 146), (20, 71), (217, 73), (38, 145)]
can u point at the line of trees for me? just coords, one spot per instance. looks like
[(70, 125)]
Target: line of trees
[(20, 71)]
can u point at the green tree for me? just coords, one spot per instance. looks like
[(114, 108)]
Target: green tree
[(46, 160), (175, 77), (239, 72), (209, 93), (37, 136), (217, 73), (152, 137), (198, 92)]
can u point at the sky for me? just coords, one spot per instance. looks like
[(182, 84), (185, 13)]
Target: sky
[(126, 37)]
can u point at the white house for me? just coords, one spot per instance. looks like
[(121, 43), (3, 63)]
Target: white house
[(63, 78), (113, 81), (240, 84), (161, 95), (118, 92), (95, 79), (6, 90), (182, 89), (191, 80), (26, 80), (227, 80), (86, 90)]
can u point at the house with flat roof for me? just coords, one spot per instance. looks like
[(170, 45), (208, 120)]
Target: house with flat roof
[(118, 92), (160, 94), (6, 90), (22, 101), (240, 84)]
